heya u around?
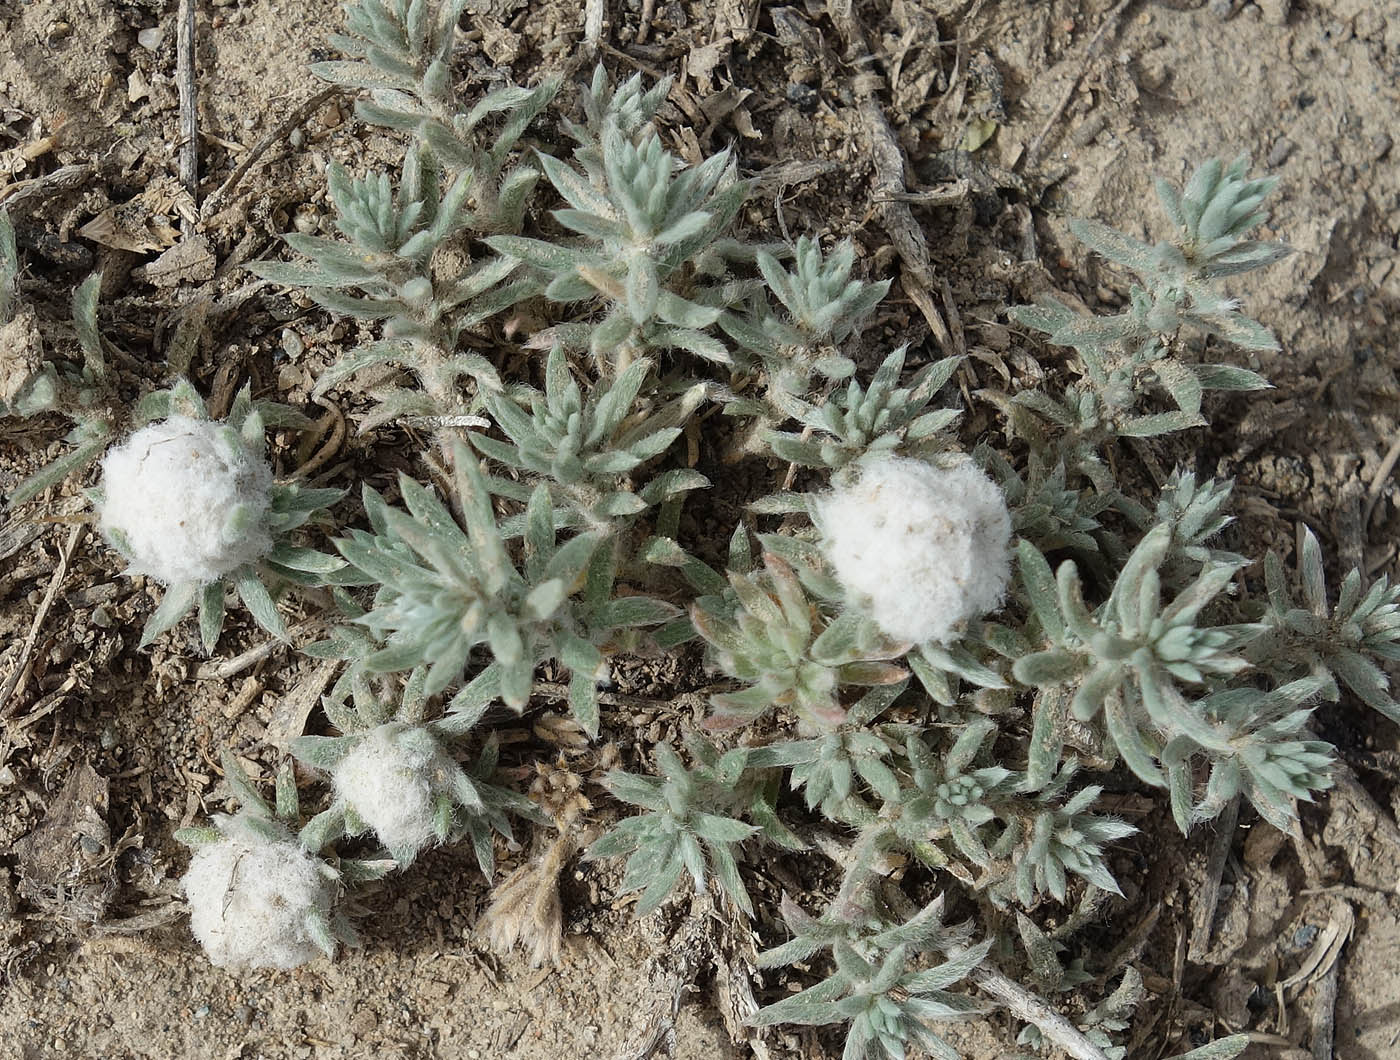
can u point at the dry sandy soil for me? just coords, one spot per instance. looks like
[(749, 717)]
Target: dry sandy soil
[(104, 966)]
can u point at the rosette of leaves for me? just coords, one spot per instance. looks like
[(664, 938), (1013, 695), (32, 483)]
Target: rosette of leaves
[(402, 56), (875, 986), (628, 106), (1124, 355), (1045, 509), (290, 506), (689, 824), (1124, 660), (1346, 643), (835, 770), (1056, 837), (822, 305), (463, 801), (855, 422), (650, 245), (444, 589), (947, 797), (1262, 750), (1196, 512), (392, 232), (765, 631), (260, 824), (1022, 845), (587, 446)]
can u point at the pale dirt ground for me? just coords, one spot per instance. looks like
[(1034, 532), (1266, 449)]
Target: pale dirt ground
[(1311, 87)]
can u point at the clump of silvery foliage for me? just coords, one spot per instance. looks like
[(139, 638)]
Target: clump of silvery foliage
[(929, 651)]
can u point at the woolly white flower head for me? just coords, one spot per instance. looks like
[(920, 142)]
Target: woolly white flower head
[(185, 501), (918, 548), (387, 781), (250, 899)]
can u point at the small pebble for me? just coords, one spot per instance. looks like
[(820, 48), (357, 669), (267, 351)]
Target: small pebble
[(150, 38), (291, 343), (804, 97), (1278, 154)]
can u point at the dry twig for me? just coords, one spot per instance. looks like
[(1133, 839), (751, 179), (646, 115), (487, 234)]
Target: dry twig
[(9, 693), (218, 671), (1110, 20), (1024, 1005), (294, 119), (64, 178), (1203, 912), (888, 193), (189, 99)]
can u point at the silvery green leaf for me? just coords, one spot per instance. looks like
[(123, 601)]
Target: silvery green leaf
[(1159, 423), (258, 601), (211, 614), (1112, 244), (633, 611), (175, 605), (85, 324), (242, 788), (1242, 331), (361, 75)]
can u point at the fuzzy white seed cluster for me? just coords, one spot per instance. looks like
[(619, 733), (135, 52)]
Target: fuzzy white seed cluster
[(388, 783), (918, 548), (185, 501), (250, 899)]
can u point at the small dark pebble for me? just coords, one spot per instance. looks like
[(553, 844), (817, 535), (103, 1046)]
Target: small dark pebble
[(804, 97)]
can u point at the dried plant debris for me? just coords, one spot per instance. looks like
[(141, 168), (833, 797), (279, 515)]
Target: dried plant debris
[(947, 656), (66, 865)]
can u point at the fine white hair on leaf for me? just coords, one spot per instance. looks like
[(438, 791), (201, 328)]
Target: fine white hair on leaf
[(185, 501), (918, 548), (250, 899), (387, 781)]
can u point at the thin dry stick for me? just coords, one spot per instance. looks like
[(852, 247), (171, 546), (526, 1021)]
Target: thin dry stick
[(887, 161), (648, 13), (294, 119), (1378, 481), (9, 702), (1026, 1006), (64, 178), (593, 12), (1204, 911), (189, 100), (221, 670), (1324, 1013), (1110, 20)]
